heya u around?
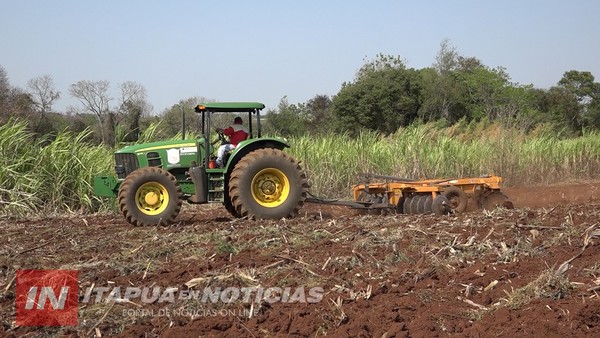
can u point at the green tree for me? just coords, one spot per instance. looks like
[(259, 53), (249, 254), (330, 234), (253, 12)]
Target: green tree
[(319, 114), (287, 120), (384, 96), (4, 92), (580, 84), (443, 93), (592, 117), (443, 97), (490, 94), (563, 109), (587, 92)]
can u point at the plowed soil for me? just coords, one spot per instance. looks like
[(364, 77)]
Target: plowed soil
[(529, 271)]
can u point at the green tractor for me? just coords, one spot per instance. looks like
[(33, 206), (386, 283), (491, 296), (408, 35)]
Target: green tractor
[(257, 180)]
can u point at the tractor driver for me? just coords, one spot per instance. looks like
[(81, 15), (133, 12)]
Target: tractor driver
[(237, 133)]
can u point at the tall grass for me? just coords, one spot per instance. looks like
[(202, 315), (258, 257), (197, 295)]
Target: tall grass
[(56, 175), (48, 176), (425, 151)]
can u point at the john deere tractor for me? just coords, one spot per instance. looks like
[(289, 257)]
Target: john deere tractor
[(257, 180)]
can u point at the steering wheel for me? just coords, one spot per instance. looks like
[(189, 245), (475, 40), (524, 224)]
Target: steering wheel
[(221, 135)]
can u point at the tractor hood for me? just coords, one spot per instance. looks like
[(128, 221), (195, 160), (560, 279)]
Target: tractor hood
[(146, 147)]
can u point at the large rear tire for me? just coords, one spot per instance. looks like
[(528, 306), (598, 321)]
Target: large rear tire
[(268, 184), (227, 201), (150, 196), (230, 208)]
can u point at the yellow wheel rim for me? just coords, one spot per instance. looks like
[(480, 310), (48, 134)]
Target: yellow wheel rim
[(152, 198), (270, 187)]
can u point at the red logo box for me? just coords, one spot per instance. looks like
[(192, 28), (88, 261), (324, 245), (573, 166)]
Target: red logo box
[(47, 298)]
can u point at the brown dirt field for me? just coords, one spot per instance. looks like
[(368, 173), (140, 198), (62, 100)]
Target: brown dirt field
[(529, 271)]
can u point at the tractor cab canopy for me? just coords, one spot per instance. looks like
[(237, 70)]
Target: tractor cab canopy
[(207, 109), (229, 107)]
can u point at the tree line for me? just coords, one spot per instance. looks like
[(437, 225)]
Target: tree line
[(112, 119), (384, 95)]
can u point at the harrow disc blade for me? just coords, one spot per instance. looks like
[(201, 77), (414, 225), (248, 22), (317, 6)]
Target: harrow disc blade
[(496, 199), (427, 206), (414, 203), (440, 205)]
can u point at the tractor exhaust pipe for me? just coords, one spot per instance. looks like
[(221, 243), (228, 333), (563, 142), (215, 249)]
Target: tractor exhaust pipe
[(182, 122)]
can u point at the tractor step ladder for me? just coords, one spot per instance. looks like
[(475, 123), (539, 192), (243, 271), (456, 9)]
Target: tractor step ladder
[(216, 187)]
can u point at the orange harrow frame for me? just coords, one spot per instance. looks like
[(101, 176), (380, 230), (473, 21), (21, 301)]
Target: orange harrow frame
[(438, 196)]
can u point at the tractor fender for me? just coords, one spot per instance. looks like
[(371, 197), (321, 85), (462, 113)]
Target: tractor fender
[(247, 146)]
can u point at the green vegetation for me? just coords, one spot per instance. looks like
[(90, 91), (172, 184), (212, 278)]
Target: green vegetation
[(386, 95), (458, 117), (426, 151), (56, 175), (41, 175)]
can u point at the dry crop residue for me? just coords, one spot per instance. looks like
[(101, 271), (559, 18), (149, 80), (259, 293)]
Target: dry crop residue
[(530, 271)]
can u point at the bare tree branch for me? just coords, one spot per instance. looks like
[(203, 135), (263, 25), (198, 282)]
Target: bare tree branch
[(94, 97), (42, 92)]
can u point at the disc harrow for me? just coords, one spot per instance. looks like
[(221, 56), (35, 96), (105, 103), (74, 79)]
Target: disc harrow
[(439, 197)]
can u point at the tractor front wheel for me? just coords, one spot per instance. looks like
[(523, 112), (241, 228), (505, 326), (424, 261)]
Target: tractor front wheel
[(150, 196), (268, 184)]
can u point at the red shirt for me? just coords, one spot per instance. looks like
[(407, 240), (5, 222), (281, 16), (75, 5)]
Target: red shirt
[(237, 133)]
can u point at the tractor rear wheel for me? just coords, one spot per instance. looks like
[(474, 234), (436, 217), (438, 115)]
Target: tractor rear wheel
[(150, 196), (230, 208), (227, 202), (269, 184)]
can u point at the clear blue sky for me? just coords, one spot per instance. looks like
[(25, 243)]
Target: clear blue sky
[(264, 50)]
